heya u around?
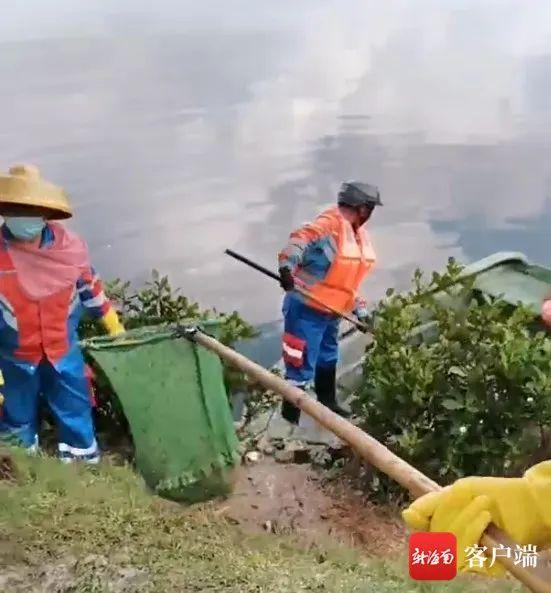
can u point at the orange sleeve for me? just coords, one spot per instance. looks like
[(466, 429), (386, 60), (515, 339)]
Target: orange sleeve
[(322, 229)]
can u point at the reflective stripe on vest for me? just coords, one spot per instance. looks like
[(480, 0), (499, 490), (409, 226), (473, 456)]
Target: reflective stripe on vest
[(41, 325), (353, 260)]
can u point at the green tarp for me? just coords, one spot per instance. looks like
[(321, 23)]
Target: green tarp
[(505, 275), (510, 276), (173, 395)]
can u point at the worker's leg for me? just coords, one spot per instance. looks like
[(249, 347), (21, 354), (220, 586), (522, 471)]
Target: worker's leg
[(326, 368), (66, 390), (304, 329), (19, 413)]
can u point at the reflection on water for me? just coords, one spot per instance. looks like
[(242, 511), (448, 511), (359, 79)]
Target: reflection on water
[(181, 132)]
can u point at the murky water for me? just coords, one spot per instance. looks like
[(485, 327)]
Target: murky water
[(182, 129)]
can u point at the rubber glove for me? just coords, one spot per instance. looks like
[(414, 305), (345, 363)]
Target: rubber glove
[(286, 281), (519, 506), (361, 311), (112, 323)]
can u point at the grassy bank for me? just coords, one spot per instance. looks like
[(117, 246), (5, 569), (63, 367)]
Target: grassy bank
[(78, 529)]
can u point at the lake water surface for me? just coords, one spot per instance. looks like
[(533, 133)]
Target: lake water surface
[(184, 128)]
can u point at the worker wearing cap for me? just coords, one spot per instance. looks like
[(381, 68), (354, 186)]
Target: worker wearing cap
[(46, 283), (329, 257)]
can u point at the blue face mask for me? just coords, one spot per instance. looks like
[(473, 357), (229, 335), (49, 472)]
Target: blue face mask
[(25, 228)]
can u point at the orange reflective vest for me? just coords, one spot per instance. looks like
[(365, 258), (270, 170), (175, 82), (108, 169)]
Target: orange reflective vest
[(354, 259), (33, 329)]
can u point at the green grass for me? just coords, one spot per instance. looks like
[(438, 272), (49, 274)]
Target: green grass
[(87, 527)]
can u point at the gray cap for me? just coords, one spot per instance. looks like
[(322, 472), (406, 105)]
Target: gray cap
[(356, 193)]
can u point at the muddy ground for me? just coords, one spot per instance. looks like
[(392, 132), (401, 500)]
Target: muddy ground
[(297, 500)]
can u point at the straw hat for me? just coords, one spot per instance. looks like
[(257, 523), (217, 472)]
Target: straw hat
[(23, 192)]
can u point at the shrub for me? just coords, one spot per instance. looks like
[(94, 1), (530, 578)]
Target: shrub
[(159, 303), (474, 397)]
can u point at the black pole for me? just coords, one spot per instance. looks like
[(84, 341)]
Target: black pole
[(270, 274), (252, 264)]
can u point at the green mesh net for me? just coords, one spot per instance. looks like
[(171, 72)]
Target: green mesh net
[(173, 395)]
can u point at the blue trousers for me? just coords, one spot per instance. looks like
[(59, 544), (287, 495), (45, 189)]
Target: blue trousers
[(310, 341), (65, 389)]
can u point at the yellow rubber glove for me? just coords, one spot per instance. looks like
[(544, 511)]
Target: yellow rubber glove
[(519, 506), (112, 323)]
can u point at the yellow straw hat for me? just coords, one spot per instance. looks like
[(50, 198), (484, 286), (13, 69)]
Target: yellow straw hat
[(23, 191)]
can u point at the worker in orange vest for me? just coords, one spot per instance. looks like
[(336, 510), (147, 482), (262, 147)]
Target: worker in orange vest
[(329, 257), (47, 283)]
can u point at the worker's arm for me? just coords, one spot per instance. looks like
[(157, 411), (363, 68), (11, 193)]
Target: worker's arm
[(546, 311), (361, 309), (322, 230), (519, 506), (94, 299)]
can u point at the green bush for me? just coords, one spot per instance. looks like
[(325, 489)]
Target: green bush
[(474, 398), (159, 303)]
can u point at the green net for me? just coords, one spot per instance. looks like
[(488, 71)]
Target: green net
[(173, 395)]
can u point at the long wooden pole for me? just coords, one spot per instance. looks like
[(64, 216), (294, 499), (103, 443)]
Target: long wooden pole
[(536, 579)]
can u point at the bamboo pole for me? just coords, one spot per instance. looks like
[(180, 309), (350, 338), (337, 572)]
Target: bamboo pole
[(537, 580)]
